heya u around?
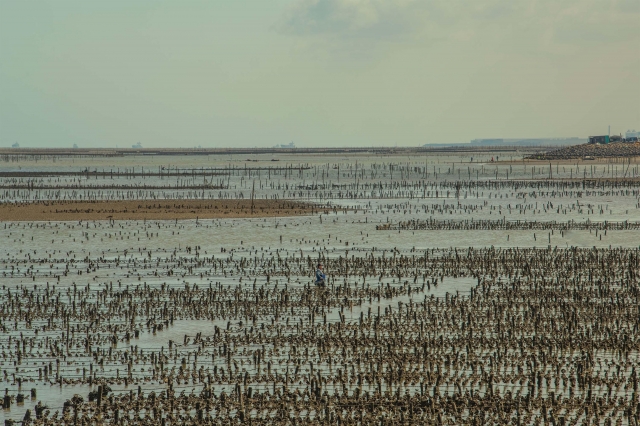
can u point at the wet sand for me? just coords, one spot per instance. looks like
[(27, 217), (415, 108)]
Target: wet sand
[(151, 209)]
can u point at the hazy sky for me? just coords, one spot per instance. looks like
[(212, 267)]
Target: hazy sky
[(316, 72)]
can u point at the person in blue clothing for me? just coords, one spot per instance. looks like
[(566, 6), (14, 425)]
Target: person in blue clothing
[(320, 276)]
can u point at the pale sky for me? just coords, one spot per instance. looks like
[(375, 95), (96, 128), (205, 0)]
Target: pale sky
[(106, 73)]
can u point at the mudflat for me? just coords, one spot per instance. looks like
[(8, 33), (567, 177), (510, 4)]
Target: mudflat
[(150, 209)]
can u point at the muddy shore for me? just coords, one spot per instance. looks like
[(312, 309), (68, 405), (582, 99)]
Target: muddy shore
[(151, 209)]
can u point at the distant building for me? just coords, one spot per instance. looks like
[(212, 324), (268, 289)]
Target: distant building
[(599, 139), (138, 145), (15, 145), (631, 134), (75, 146)]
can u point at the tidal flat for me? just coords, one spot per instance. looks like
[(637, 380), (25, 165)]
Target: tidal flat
[(462, 288)]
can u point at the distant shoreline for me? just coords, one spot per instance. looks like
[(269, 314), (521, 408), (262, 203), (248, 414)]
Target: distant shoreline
[(122, 152), (590, 152)]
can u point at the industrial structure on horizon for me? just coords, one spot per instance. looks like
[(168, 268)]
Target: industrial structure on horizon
[(286, 146)]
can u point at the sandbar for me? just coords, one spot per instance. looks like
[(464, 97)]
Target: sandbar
[(151, 209)]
